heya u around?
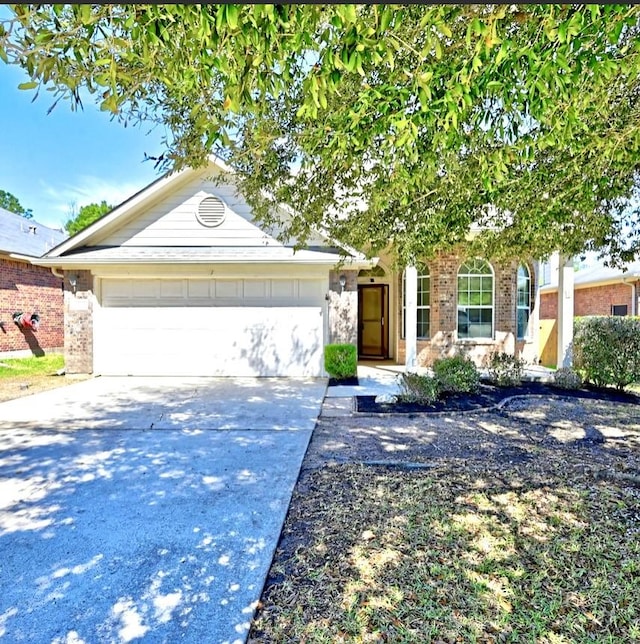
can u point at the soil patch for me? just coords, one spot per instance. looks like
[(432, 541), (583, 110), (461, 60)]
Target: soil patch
[(19, 386), (489, 396)]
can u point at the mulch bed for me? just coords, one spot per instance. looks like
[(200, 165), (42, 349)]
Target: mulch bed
[(348, 382), (489, 396)]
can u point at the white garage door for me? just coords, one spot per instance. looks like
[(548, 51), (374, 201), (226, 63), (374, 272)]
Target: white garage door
[(221, 327)]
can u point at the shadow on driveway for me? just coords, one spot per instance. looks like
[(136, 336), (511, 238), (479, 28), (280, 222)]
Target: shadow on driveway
[(161, 534)]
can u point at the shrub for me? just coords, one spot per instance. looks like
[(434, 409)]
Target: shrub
[(341, 360), (419, 388), (456, 374), (567, 378), (606, 350), (505, 370)]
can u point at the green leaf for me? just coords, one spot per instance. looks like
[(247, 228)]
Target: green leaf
[(349, 13), (503, 52), (28, 85), (438, 48), (233, 13), (85, 13), (385, 19), (562, 32), (444, 29)]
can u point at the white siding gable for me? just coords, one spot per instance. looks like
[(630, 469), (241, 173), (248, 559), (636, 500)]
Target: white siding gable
[(172, 221)]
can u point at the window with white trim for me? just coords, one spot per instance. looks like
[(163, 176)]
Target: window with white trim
[(423, 307), (475, 299), (523, 305)]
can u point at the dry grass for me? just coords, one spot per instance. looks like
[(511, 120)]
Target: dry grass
[(542, 551)]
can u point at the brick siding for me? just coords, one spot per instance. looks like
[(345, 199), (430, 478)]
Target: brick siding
[(78, 330), (595, 300), (30, 289), (444, 313)]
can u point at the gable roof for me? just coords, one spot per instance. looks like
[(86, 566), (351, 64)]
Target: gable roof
[(88, 246), (24, 236)]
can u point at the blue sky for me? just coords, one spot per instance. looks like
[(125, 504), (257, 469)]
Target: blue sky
[(50, 162)]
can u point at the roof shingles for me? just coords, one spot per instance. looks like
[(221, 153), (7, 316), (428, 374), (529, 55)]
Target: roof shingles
[(25, 236)]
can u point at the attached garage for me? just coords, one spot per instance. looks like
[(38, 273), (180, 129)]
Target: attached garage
[(182, 280), (209, 327)]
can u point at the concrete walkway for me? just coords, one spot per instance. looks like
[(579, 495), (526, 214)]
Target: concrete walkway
[(148, 509)]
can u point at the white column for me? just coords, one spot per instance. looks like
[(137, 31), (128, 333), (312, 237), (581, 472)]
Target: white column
[(565, 312), (411, 316)]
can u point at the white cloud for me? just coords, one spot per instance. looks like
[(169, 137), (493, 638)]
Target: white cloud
[(87, 189)]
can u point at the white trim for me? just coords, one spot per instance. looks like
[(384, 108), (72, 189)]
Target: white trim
[(527, 334), (478, 306), (421, 276), (119, 211), (411, 341), (564, 355)]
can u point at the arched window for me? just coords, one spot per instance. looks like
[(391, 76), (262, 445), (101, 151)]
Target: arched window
[(475, 299), (423, 307), (523, 306)]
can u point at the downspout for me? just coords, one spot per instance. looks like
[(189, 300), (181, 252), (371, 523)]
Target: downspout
[(634, 292), (54, 270)]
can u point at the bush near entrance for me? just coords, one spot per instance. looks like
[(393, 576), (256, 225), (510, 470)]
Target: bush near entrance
[(341, 361)]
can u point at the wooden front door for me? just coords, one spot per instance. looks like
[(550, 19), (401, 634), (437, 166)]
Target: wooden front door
[(373, 323)]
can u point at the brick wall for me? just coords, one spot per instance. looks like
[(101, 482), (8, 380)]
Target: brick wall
[(595, 300), (78, 330), (444, 313), (599, 299), (549, 306), (30, 289)]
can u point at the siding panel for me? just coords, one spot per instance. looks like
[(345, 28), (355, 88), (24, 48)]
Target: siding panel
[(173, 222)]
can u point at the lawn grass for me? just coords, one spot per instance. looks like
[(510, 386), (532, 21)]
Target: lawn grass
[(25, 376), (456, 554), (46, 365)]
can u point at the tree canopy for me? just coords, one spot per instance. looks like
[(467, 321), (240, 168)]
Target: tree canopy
[(85, 216), (409, 123), (12, 204)]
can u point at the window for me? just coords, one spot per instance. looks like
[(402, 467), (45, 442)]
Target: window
[(475, 300), (545, 273), (424, 304), (619, 309), (523, 306)]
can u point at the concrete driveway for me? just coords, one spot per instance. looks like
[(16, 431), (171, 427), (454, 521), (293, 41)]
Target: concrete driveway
[(145, 509)]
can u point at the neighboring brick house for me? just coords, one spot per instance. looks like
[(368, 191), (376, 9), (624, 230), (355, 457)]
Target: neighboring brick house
[(598, 290), (28, 289)]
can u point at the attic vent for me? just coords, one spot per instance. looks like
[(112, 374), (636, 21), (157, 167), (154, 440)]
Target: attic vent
[(211, 212)]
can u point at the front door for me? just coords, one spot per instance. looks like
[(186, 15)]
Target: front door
[(373, 313)]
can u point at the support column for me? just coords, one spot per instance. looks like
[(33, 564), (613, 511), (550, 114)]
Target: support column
[(411, 316), (565, 312)]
